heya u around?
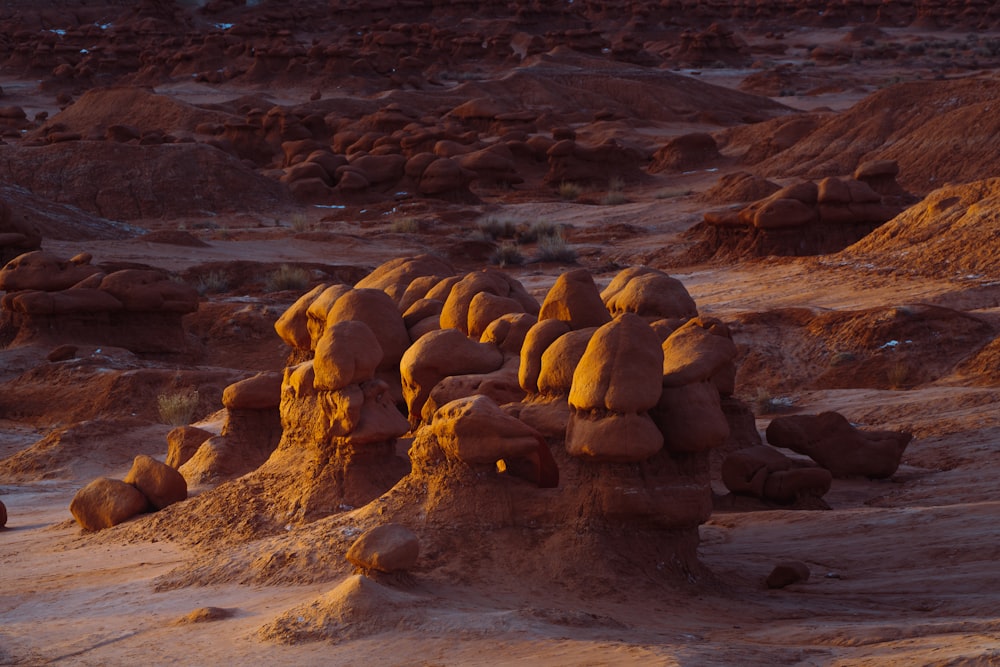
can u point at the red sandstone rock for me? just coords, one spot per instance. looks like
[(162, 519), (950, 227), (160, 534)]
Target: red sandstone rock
[(161, 484), (106, 502)]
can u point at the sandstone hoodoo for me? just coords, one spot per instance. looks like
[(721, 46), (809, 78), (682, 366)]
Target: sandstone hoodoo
[(430, 329)]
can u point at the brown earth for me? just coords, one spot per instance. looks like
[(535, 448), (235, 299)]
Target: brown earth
[(228, 145)]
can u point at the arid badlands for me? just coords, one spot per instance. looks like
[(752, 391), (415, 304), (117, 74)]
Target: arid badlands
[(439, 332)]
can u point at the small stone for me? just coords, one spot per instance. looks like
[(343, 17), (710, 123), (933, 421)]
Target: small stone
[(788, 573), (387, 548), (62, 353)]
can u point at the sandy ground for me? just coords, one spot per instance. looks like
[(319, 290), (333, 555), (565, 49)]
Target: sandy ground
[(903, 571)]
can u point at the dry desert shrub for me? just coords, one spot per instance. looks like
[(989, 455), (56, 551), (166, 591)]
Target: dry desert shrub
[(491, 228), (537, 230), (555, 249), (570, 191), (213, 282), (287, 277), (299, 222), (507, 254), (177, 409)]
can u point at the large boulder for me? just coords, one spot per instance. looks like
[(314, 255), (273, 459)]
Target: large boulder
[(764, 472), (160, 483), (575, 299), (830, 440), (106, 502)]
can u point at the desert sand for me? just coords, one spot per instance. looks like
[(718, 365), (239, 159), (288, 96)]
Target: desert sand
[(243, 154)]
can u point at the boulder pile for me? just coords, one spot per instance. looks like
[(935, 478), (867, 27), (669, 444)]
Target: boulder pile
[(149, 486)]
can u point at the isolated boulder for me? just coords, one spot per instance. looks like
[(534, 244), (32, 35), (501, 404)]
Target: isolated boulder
[(764, 472), (106, 502), (160, 483), (787, 573), (386, 548), (829, 439), (183, 442)]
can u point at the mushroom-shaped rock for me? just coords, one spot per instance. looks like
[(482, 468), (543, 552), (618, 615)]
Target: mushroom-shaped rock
[(348, 353), (395, 276), (293, 325), (509, 331), (319, 310), (691, 418), (693, 353), (500, 385), (437, 355), (376, 309), (539, 337), (475, 430), (486, 307), (183, 442), (106, 502), (574, 299), (560, 360), (386, 548), (620, 369), (260, 392), (831, 441), (651, 294), (161, 484), (612, 438)]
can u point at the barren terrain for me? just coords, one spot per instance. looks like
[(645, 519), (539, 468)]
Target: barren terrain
[(224, 144)]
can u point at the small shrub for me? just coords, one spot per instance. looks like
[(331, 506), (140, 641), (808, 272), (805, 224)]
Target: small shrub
[(288, 277), (177, 409), (614, 198), (405, 225), (213, 282), (570, 191), (841, 358), (507, 254), (299, 222), (555, 249), (491, 228), (539, 229)]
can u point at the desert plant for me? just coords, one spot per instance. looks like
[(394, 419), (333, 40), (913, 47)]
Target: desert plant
[(569, 191), (507, 254), (539, 229), (615, 194), (213, 282), (177, 408), (841, 358), (491, 228), (299, 222), (765, 403), (287, 277), (405, 225), (555, 249)]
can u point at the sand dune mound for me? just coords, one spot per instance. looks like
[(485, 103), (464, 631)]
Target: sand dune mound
[(951, 233), (938, 132)]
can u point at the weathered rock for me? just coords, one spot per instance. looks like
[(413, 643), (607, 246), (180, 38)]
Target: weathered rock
[(260, 392), (475, 430), (106, 502), (829, 439), (574, 299), (560, 361), (376, 309), (620, 369), (386, 548), (764, 472), (539, 337), (693, 353), (183, 442), (40, 270), (613, 437), (3, 515), (160, 483), (508, 332), (293, 325), (437, 355), (395, 276), (788, 573), (486, 307), (651, 294), (319, 311), (691, 418), (348, 353)]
